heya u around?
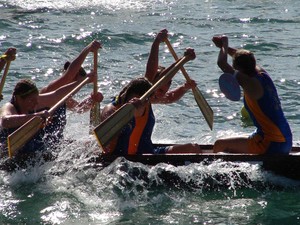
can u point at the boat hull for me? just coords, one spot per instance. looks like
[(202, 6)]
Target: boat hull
[(284, 165)]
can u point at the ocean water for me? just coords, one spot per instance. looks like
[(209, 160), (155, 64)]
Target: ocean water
[(69, 190)]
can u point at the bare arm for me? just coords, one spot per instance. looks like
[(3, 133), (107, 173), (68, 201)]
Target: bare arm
[(85, 105), (175, 94), (73, 69), (250, 85), (47, 100), (222, 43), (11, 119), (152, 64)]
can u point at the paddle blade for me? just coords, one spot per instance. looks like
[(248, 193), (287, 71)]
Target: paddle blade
[(106, 130), (230, 87), (201, 101), (204, 107), (20, 137)]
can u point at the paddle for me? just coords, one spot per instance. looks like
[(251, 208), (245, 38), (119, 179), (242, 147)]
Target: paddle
[(23, 134), (113, 124), (95, 111), (4, 74), (230, 87), (201, 101)]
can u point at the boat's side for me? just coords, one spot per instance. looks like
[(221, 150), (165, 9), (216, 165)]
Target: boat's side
[(286, 165)]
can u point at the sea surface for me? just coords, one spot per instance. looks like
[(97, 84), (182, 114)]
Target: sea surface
[(69, 190)]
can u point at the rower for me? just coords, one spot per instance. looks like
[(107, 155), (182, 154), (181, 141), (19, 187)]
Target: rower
[(273, 134)]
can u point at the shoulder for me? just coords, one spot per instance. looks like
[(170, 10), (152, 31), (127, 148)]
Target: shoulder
[(7, 109), (107, 111), (47, 100)]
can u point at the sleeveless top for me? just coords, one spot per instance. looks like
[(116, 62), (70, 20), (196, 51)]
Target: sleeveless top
[(135, 137), (266, 112)]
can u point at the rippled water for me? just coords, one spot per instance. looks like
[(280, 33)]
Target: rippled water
[(69, 190)]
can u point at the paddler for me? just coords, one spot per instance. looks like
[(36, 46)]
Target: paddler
[(135, 137), (273, 134), (154, 72), (27, 102)]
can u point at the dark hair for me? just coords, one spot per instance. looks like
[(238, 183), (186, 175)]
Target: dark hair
[(138, 86), (81, 70), (245, 60), (24, 88)]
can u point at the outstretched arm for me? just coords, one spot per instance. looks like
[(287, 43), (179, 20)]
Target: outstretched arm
[(230, 51), (152, 64), (162, 92), (49, 99), (86, 104), (175, 94), (222, 43), (70, 75)]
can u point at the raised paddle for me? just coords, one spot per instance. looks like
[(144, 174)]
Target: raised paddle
[(4, 74), (201, 101), (230, 87), (23, 134), (95, 111), (113, 124)]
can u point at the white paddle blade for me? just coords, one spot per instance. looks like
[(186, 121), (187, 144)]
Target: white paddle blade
[(113, 124)]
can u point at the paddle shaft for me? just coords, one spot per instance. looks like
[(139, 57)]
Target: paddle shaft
[(76, 89), (95, 110), (4, 76), (113, 124), (96, 72), (201, 101), (165, 78), (171, 49)]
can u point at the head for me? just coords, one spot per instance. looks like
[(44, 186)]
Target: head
[(25, 95), (135, 88), (81, 71), (244, 61)]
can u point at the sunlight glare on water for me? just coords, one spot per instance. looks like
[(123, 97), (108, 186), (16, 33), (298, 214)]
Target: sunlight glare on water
[(78, 4)]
